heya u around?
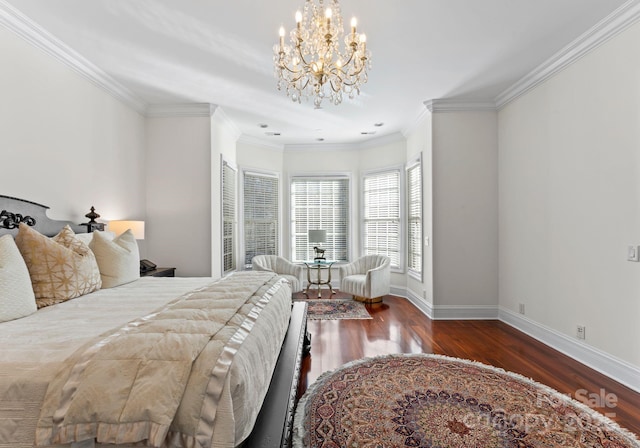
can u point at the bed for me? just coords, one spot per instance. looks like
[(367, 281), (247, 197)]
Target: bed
[(181, 362)]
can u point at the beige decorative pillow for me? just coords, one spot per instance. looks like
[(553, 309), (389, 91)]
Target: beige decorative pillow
[(61, 267), (118, 259), (16, 295)]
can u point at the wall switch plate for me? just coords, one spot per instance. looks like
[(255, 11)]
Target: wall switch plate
[(633, 253), (580, 331)]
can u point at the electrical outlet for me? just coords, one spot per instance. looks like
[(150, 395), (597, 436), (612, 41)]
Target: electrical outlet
[(633, 253), (521, 308), (580, 332)]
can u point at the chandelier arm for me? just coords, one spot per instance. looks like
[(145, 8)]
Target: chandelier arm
[(298, 78), (353, 83), (285, 67), (299, 50), (338, 73), (349, 60), (336, 90), (362, 68)]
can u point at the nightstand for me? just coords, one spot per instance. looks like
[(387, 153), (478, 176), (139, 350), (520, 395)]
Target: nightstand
[(159, 272)]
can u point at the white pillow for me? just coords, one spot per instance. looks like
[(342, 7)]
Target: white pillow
[(87, 237), (16, 294), (118, 259)]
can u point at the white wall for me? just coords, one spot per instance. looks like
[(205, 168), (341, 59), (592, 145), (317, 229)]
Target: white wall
[(419, 145), (64, 142), (570, 199), (259, 157), (223, 145), (465, 209), (178, 231), (381, 154)]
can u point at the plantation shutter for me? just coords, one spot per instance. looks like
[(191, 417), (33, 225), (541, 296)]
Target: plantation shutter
[(414, 193), (319, 204), (381, 233), (228, 217), (261, 211)]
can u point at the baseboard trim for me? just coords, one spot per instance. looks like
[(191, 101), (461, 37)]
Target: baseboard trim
[(461, 312), (615, 368), (415, 299)]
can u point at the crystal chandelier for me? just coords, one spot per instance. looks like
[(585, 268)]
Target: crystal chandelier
[(313, 65)]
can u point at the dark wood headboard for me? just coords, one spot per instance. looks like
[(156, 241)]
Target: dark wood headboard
[(13, 211)]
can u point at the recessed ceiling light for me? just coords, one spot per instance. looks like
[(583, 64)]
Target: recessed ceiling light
[(368, 132), (263, 125), (320, 139), (380, 124), (272, 134)]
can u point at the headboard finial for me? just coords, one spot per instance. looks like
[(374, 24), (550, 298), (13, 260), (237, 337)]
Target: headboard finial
[(93, 224), (92, 215)]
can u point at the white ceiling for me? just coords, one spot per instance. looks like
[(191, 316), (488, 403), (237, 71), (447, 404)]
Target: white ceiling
[(220, 52)]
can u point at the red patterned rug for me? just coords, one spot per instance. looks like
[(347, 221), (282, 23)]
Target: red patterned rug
[(437, 401), (336, 309)]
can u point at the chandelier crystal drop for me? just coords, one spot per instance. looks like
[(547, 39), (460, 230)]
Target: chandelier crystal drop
[(312, 64)]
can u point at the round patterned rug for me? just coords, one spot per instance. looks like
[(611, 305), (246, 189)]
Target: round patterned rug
[(436, 401)]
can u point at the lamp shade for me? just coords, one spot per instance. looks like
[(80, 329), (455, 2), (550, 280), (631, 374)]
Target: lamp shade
[(317, 236), (119, 227)]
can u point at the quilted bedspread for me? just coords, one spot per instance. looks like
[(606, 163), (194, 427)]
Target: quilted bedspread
[(164, 378)]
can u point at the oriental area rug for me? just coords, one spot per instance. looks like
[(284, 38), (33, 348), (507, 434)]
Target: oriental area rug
[(436, 401), (336, 309)]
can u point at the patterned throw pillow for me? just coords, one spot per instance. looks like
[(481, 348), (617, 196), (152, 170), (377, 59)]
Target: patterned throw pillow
[(16, 295), (118, 260), (61, 267)]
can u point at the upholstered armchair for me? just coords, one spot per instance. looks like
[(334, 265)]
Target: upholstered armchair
[(281, 266), (368, 278)]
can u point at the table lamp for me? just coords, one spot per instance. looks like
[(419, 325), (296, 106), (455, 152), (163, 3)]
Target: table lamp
[(119, 227)]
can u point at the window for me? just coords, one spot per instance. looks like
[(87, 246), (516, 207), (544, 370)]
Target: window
[(228, 217), (319, 204), (414, 218), (261, 211), (381, 215)]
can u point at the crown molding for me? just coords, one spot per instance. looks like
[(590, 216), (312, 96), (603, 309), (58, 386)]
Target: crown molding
[(610, 26), (459, 105), (353, 146), (300, 147), (219, 114), (424, 113), (27, 29), (181, 110)]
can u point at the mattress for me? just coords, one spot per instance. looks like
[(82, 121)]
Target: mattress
[(34, 348)]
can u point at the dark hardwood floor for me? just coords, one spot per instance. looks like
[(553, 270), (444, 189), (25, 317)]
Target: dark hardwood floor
[(399, 327)]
